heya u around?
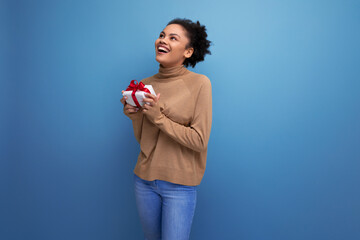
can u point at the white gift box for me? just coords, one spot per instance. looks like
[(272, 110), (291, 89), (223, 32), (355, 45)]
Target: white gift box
[(140, 95)]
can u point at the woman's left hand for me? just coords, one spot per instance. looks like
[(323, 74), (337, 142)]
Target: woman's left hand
[(150, 101)]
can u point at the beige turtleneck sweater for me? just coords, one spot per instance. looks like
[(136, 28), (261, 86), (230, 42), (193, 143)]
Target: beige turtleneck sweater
[(174, 134)]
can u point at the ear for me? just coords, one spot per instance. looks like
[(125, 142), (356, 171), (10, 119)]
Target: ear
[(189, 52)]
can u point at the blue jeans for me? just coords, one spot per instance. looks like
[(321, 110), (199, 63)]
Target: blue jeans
[(166, 209)]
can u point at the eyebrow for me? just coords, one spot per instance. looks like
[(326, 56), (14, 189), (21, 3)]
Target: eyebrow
[(170, 34)]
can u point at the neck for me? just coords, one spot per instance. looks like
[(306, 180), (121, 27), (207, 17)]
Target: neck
[(171, 72)]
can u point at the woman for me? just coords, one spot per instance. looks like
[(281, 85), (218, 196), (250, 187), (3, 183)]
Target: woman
[(173, 131)]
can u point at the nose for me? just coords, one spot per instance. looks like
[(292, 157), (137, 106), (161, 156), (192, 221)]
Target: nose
[(162, 42)]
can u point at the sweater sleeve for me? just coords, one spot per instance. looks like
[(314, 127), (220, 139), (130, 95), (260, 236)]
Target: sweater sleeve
[(195, 136), (137, 119)]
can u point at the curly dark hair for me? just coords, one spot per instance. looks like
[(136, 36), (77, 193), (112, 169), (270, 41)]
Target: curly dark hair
[(197, 36)]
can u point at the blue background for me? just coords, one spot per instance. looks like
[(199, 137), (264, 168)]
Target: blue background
[(283, 157)]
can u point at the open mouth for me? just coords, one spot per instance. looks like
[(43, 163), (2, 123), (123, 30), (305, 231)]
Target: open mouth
[(162, 50)]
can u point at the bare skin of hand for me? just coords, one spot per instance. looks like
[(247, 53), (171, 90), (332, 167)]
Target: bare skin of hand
[(127, 107), (150, 101)]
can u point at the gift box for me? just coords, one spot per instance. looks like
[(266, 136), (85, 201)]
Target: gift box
[(135, 93)]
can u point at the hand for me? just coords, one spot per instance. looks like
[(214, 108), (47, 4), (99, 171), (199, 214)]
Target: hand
[(150, 101), (128, 109)]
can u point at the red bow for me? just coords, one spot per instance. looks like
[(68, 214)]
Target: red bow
[(134, 87)]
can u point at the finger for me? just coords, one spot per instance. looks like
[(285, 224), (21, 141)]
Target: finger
[(149, 95), (128, 106), (155, 98), (149, 100), (132, 110), (123, 100)]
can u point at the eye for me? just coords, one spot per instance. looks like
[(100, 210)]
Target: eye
[(161, 35), (173, 38)]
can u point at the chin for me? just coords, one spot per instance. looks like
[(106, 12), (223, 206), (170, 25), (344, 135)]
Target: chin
[(160, 61)]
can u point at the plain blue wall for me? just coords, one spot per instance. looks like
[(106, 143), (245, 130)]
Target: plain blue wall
[(283, 158)]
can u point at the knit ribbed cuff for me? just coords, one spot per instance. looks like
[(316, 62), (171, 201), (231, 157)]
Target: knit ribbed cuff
[(155, 112)]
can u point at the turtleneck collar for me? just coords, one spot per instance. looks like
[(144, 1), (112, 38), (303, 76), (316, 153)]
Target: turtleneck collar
[(171, 72)]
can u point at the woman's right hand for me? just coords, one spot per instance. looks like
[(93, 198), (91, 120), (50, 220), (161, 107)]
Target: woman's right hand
[(128, 109)]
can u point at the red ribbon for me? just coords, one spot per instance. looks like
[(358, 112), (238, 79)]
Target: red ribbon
[(135, 87)]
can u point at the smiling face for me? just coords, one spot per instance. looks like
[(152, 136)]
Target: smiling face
[(170, 47)]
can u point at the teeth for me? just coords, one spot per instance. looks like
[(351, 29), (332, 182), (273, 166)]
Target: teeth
[(161, 48)]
